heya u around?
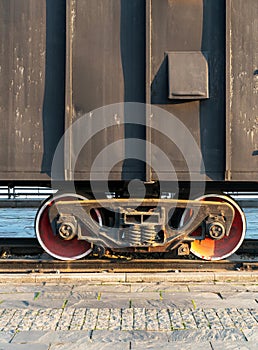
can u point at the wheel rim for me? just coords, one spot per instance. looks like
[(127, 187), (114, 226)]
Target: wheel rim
[(54, 245), (209, 249)]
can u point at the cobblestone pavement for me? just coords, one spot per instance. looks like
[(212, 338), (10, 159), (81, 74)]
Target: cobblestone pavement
[(91, 315)]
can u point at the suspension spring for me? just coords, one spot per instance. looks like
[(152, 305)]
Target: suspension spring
[(148, 234), (133, 235)]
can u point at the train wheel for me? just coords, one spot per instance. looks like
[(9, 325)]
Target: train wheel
[(210, 249), (51, 242)]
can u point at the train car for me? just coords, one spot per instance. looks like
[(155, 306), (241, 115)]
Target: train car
[(141, 113)]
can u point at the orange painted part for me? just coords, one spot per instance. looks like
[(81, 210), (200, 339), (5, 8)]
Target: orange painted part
[(210, 249)]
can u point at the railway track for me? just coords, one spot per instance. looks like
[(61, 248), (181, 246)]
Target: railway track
[(14, 260), (119, 265)]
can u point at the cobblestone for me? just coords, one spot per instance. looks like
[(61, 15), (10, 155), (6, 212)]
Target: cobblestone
[(77, 319), (66, 319), (103, 319), (212, 317), (91, 319), (127, 319), (16, 319), (176, 319), (247, 316), (188, 319), (5, 319), (237, 318), (164, 320), (201, 319), (28, 320), (224, 318), (92, 316), (151, 320), (115, 319), (254, 313), (139, 318)]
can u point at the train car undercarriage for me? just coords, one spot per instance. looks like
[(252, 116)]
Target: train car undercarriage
[(69, 226), (164, 91)]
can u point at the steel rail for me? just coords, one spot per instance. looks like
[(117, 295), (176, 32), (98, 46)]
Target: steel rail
[(121, 265), (14, 261)]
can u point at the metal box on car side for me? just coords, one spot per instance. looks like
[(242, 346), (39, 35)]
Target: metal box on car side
[(187, 78)]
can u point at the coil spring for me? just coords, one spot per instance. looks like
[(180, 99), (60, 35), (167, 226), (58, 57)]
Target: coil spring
[(148, 234), (133, 235)]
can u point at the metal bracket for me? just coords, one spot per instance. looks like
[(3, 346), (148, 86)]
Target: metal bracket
[(113, 237)]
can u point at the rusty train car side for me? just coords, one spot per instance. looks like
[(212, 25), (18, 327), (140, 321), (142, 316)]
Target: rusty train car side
[(194, 60)]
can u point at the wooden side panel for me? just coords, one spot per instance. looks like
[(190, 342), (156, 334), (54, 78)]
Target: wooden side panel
[(188, 27), (242, 91), (106, 65), (32, 59)]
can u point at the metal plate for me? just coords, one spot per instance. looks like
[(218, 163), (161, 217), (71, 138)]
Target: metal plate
[(32, 58), (188, 26), (242, 90), (187, 75), (106, 55)]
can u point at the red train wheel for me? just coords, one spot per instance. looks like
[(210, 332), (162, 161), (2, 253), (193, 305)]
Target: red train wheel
[(52, 243), (210, 249)]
